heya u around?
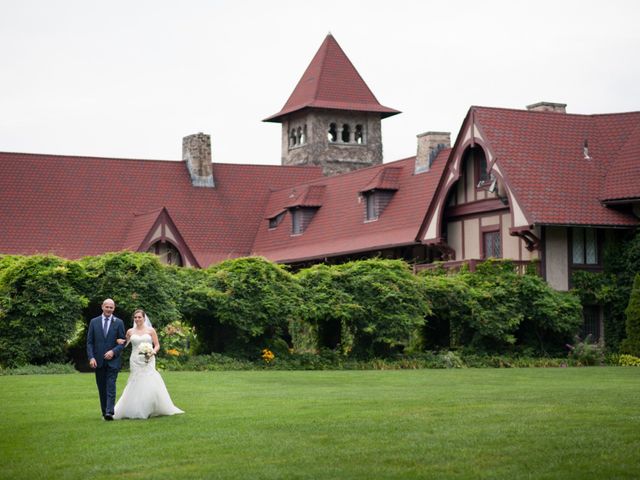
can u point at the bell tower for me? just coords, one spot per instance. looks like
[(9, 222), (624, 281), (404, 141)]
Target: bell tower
[(332, 119)]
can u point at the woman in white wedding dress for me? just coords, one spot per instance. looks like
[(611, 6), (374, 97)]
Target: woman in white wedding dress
[(145, 394)]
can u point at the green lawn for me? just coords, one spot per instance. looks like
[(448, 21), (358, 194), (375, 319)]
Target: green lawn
[(565, 423)]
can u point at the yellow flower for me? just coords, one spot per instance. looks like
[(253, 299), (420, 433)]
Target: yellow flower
[(267, 355), (173, 352)]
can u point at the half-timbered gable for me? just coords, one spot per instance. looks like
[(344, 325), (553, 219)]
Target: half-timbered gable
[(537, 184)]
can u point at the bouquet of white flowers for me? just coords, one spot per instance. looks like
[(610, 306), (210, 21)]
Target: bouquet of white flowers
[(147, 350)]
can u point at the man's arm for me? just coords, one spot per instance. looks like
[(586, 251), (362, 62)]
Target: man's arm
[(90, 340), (119, 335)]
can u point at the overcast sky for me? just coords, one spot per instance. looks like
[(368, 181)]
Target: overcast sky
[(130, 78)]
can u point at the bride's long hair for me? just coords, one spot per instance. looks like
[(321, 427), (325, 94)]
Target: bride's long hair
[(147, 322)]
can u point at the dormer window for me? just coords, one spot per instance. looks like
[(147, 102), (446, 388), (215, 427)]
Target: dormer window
[(300, 219), (371, 208), (275, 221), (375, 201)]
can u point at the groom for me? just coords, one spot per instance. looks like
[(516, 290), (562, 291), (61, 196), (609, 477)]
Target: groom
[(104, 351)]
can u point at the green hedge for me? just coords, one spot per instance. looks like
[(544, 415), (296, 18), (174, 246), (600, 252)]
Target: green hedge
[(358, 310), (40, 308), (364, 309), (495, 310)]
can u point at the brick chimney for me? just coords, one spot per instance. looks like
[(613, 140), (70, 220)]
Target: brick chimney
[(548, 107), (429, 145), (196, 152)]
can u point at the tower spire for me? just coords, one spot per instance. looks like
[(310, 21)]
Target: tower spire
[(332, 118)]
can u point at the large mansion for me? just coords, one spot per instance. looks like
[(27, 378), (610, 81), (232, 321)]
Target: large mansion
[(537, 183)]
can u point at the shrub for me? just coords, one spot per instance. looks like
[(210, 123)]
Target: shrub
[(176, 338), (631, 344), (326, 320), (240, 306), (451, 306), (132, 280), (47, 369), (363, 308), (585, 352), (626, 360), (550, 317), (39, 308), (494, 310)]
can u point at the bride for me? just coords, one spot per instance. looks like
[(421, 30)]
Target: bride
[(145, 394)]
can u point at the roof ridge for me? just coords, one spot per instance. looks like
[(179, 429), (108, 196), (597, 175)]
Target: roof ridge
[(566, 114), (92, 157)]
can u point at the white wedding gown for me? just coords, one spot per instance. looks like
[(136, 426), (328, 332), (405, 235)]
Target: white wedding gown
[(145, 394)]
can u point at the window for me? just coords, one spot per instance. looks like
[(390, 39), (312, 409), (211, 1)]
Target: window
[(332, 134), (584, 246), (301, 218), (591, 325), (297, 136), (296, 222), (371, 207), (168, 253), (482, 175), (491, 244), (375, 202), (275, 221), (346, 133)]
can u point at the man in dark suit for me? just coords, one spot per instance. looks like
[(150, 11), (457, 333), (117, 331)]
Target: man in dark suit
[(104, 352)]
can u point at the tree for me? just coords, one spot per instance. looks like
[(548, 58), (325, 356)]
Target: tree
[(631, 344), (40, 308), (243, 305), (392, 305)]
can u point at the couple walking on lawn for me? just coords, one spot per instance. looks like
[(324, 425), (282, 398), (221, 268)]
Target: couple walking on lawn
[(145, 394)]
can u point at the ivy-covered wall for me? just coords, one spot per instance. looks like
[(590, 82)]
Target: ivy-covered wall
[(361, 309)]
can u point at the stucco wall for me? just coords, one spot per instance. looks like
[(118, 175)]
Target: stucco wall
[(471, 238), (556, 257), (454, 238)]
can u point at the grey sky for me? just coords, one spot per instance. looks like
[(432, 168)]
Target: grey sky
[(130, 78)]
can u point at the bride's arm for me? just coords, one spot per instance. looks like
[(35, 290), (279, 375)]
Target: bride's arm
[(156, 342), (128, 340)]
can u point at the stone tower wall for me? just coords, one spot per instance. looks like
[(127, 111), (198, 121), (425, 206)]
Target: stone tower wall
[(338, 156)]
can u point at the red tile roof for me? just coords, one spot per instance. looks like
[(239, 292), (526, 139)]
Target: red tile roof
[(79, 206), (623, 179), (339, 226), (306, 196), (331, 81), (543, 159), (388, 178)]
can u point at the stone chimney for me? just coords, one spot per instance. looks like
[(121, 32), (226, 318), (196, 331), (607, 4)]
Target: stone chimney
[(429, 145), (196, 152), (548, 107)]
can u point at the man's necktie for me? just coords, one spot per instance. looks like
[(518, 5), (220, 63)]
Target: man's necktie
[(106, 326)]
